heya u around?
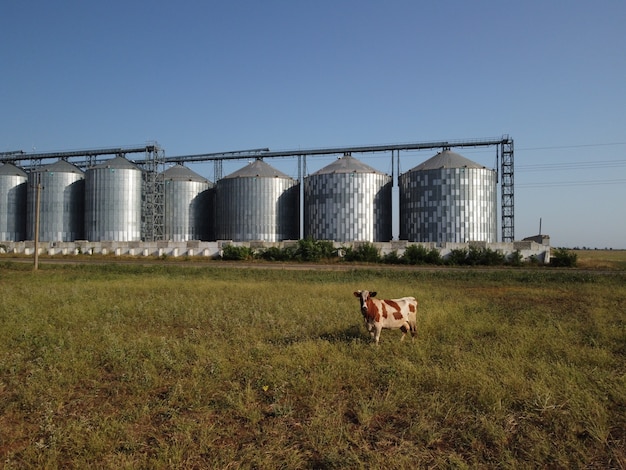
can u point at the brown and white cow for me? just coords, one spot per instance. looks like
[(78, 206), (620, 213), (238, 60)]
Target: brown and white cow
[(388, 314)]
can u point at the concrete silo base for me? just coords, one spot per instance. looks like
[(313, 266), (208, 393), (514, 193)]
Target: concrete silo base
[(528, 249)]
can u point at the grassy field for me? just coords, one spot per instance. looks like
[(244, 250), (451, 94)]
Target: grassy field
[(204, 367), (601, 259)]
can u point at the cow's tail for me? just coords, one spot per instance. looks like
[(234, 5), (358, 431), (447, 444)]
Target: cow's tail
[(413, 320)]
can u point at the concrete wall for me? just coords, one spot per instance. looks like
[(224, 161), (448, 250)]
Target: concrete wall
[(527, 249)]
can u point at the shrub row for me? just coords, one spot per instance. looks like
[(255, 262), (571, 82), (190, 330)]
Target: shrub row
[(308, 250), (305, 250)]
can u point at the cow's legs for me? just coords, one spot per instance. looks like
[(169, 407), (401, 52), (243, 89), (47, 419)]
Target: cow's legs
[(404, 328), (377, 334), (408, 327)]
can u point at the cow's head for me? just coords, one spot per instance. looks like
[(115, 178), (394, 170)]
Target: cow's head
[(364, 296)]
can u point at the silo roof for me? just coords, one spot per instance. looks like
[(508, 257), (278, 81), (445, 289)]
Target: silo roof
[(258, 169), (60, 166), (119, 163), (446, 159), (346, 164), (11, 170), (182, 173)]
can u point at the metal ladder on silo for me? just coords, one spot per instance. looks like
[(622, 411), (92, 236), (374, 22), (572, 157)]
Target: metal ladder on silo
[(507, 191)]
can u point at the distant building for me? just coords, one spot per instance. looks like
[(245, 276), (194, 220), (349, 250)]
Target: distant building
[(541, 239)]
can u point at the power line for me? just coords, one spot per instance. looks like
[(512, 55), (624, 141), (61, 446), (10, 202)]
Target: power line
[(571, 183), (555, 147), (572, 165)]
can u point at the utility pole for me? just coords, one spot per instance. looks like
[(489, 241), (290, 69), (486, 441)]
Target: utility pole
[(37, 204)]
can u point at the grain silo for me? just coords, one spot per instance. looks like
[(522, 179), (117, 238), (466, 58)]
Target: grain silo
[(187, 205), (348, 201), (13, 183), (113, 201), (256, 202), (448, 198), (61, 202)]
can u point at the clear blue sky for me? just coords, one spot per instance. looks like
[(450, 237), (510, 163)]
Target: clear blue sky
[(207, 76)]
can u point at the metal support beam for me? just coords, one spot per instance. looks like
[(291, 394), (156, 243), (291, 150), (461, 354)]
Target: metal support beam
[(153, 195), (507, 191), (395, 194), (301, 174), (76, 154), (204, 157), (218, 170), (12, 153)]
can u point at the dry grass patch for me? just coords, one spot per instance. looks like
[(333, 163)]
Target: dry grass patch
[(601, 259)]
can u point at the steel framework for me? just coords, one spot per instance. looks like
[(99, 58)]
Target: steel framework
[(153, 195), (507, 187), (152, 164), (154, 160)]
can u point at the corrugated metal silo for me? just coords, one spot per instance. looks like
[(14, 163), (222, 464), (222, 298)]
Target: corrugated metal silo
[(256, 202), (61, 202), (448, 198), (13, 183), (187, 205), (348, 201), (113, 201)]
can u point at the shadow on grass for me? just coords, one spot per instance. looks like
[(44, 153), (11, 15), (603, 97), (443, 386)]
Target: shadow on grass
[(348, 335)]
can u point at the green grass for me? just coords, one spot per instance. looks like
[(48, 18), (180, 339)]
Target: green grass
[(203, 367)]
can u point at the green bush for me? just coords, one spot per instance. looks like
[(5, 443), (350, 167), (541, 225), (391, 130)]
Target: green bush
[(475, 256), (515, 259), (313, 250), (274, 253), (237, 253), (364, 252), (415, 254), (457, 257), (328, 249), (393, 258), (419, 254), (307, 250), (561, 258), (491, 257), (433, 257)]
